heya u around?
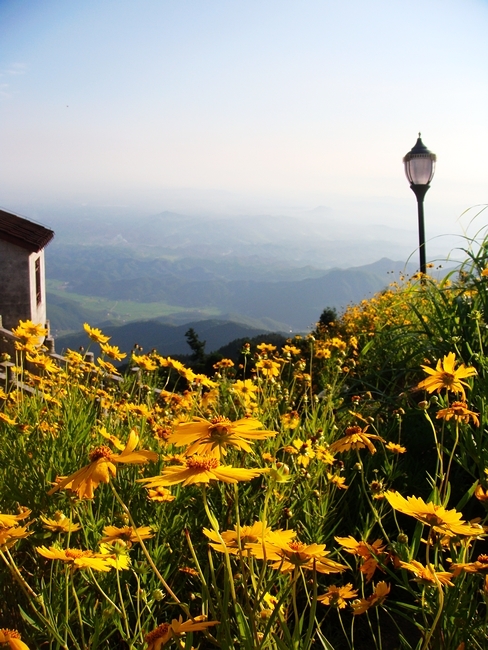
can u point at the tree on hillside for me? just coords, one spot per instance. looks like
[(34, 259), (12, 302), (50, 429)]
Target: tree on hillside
[(197, 346)]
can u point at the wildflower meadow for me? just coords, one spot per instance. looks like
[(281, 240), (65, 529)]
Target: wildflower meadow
[(331, 493)]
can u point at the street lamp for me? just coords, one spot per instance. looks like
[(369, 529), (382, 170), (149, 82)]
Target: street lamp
[(419, 168)]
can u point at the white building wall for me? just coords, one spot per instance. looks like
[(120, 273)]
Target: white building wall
[(18, 287)]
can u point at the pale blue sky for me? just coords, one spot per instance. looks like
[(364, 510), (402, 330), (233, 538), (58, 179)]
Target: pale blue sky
[(264, 105)]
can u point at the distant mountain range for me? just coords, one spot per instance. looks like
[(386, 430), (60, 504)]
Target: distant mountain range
[(168, 340)]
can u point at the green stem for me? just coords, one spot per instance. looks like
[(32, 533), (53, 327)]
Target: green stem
[(441, 596)]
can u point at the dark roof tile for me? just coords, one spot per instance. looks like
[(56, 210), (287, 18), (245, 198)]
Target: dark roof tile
[(24, 233)]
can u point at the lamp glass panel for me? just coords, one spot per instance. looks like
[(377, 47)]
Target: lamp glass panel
[(420, 171)]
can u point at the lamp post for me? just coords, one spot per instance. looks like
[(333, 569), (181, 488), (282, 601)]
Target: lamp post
[(419, 168)]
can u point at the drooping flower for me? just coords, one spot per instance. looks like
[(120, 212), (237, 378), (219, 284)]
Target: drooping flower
[(336, 596), (60, 523), (238, 540), (77, 558), (113, 352), (288, 555), (370, 554), (355, 438), (212, 437), (479, 566), (127, 534), (459, 412), (144, 362), (102, 468), (96, 334), (395, 448), (201, 469), (12, 638), (425, 575), (445, 522), (378, 596), (174, 630), (10, 536), (447, 376), (9, 521)]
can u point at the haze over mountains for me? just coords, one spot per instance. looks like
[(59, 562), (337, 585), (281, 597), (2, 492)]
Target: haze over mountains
[(265, 273)]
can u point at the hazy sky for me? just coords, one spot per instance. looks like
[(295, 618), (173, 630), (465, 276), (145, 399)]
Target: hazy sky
[(271, 105)]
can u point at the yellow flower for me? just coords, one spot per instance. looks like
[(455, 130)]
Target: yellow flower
[(127, 534), (268, 368), (371, 554), (336, 596), (160, 494), (5, 418), (112, 351), (29, 332), (102, 468), (60, 524), (43, 362), (238, 540), (479, 566), (144, 362), (445, 522), (9, 521), (355, 438), (77, 558), (481, 494), (289, 555), (361, 605), (395, 448), (117, 555), (266, 348), (447, 376), (245, 389), (425, 575), (96, 334), (212, 437), (338, 481), (174, 630), (10, 536), (484, 272), (459, 412), (201, 469), (13, 639)]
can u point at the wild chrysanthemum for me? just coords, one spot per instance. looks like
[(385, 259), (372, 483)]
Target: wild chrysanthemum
[(459, 412), (355, 438), (425, 575), (60, 523), (479, 566), (102, 468), (77, 558), (395, 448), (336, 596), (166, 631), (378, 596), (112, 351), (371, 554), (126, 534), (445, 522), (238, 540), (200, 469), (212, 437), (95, 334), (447, 376), (12, 638), (288, 555)]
